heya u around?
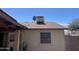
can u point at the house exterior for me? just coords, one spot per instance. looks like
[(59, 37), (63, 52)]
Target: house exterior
[(42, 36), (73, 33), (9, 25)]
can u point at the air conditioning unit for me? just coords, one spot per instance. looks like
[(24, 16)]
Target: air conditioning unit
[(38, 19)]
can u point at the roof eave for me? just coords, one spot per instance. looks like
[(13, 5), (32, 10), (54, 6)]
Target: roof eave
[(46, 28), (8, 18)]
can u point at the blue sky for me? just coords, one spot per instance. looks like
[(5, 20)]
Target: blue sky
[(59, 15)]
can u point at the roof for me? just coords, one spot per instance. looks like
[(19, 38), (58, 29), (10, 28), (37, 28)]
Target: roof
[(48, 25), (8, 23)]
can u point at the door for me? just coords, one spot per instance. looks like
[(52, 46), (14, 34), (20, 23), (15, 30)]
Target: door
[(1, 39)]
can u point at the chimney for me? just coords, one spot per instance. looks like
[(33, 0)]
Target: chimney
[(38, 19)]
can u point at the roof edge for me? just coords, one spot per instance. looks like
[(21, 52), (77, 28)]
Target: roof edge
[(7, 15), (47, 28)]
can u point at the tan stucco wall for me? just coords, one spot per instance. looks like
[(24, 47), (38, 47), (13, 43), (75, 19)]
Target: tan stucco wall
[(32, 37)]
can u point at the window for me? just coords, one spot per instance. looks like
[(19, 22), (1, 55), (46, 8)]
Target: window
[(45, 37)]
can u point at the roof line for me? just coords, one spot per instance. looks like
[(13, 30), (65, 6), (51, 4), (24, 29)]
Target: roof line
[(47, 28), (8, 15)]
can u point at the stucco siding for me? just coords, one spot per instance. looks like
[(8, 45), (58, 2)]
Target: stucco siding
[(32, 38)]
